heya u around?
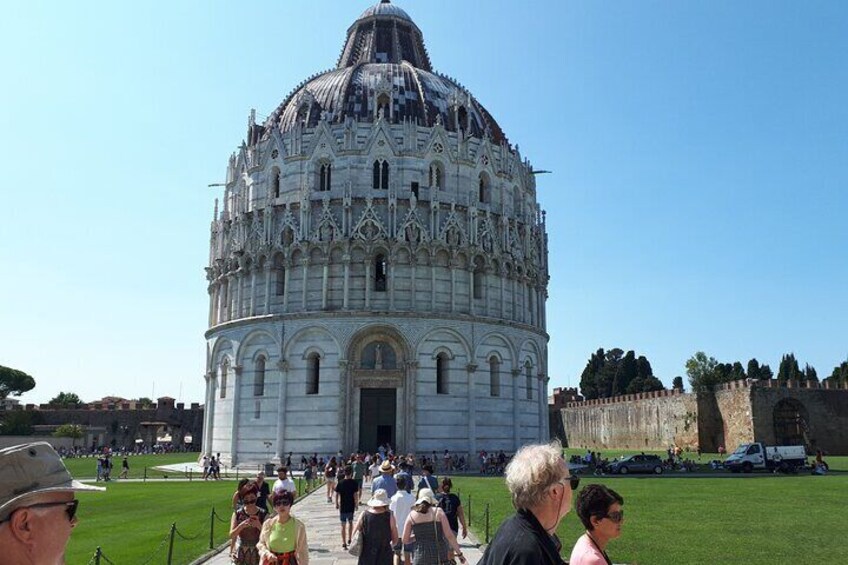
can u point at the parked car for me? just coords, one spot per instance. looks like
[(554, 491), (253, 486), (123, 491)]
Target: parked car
[(638, 464)]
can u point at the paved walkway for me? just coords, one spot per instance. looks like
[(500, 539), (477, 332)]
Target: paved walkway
[(323, 531)]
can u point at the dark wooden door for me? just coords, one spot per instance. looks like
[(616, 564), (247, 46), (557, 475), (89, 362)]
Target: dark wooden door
[(377, 417)]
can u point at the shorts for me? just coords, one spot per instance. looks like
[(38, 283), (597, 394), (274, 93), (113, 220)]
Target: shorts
[(346, 517), (409, 548), (359, 482)]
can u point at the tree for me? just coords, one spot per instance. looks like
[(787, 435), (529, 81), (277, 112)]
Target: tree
[(788, 369), (72, 431), (14, 382), (754, 369), (588, 379), (65, 400), (677, 383), (701, 371), (766, 373), (145, 402), (651, 384), (738, 372), (18, 422), (810, 373), (625, 374), (839, 376)]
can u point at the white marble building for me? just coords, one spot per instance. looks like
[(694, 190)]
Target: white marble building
[(378, 268)]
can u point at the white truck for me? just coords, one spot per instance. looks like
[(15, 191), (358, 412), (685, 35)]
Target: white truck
[(751, 456)]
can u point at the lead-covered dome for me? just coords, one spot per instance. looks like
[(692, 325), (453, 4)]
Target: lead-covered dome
[(384, 71)]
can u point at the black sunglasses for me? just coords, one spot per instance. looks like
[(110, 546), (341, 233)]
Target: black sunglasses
[(574, 482), (70, 508)]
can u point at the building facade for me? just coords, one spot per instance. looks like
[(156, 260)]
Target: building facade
[(378, 268)]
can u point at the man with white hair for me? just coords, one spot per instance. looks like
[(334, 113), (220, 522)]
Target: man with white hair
[(541, 487), (37, 505)]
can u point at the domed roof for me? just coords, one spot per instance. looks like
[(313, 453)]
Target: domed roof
[(384, 70), (385, 8)]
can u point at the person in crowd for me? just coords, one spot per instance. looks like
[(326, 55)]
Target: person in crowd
[(346, 491), (205, 465), (386, 480), (309, 477), (374, 468), (403, 473), (434, 539), (37, 504), (283, 537), (451, 505), (263, 492), (359, 469), (245, 527), (100, 461), (378, 531), (599, 508), (125, 468), (541, 489), (330, 472), (401, 505), (284, 483), (428, 480), (237, 494)]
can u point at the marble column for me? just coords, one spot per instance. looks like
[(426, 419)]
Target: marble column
[(268, 287), (544, 434), (212, 299), (368, 285), (209, 413), (237, 311), (345, 433), (283, 371), (516, 375), (346, 299), (411, 386), (252, 311), (472, 413), (453, 287), (325, 280), (471, 282), (286, 278), (433, 289), (305, 263), (237, 373)]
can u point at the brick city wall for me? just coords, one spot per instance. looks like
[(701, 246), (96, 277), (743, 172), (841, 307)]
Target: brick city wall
[(737, 412)]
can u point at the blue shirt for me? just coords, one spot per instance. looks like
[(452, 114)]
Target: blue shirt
[(385, 482)]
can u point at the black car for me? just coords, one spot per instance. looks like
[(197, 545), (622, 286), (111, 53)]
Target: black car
[(638, 464)]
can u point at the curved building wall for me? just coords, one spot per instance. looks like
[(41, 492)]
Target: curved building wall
[(374, 278)]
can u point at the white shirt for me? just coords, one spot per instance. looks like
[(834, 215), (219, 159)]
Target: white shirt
[(284, 484), (375, 470), (400, 505)]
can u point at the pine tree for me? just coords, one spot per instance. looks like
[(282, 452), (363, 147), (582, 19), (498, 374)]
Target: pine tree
[(677, 383), (766, 373), (789, 369), (754, 369)]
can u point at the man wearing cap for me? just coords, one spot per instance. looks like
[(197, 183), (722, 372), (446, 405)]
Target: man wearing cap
[(386, 480), (37, 504)]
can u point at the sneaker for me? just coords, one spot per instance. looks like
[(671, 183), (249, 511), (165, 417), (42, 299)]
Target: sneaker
[(344, 546)]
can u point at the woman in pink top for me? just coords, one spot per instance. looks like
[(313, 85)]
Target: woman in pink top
[(599, 508)]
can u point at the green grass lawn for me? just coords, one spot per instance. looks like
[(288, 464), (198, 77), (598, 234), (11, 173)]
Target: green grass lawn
[(763, 520), (86, 467), (130, 520)]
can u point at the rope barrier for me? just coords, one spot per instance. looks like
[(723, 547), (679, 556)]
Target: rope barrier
[(222, 520), (156, 551), (106, 559), (185, 537)]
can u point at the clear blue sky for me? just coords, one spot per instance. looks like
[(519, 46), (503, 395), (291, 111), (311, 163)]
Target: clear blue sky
[(698, 201)]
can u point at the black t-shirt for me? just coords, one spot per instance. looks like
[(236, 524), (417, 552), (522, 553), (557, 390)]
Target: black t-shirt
[(347, 489), (450, 504), (262, 495)]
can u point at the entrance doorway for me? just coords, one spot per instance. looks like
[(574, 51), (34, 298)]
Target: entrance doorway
[(377, 417)]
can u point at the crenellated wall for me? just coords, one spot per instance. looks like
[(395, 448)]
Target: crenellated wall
[(734, 413)]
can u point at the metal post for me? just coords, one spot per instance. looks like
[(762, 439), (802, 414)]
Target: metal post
[(469, 510), (487, 523), (212, 528), (299, 491), (97, 556), (171, 543), (145, 474)]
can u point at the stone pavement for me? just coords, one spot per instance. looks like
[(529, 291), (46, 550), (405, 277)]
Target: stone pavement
[(323, 532)]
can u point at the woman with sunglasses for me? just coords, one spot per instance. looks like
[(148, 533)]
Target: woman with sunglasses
[(283, 537), (245, 526), (599, 508)]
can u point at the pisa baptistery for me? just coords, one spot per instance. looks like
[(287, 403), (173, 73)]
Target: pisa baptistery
[(378, 268)]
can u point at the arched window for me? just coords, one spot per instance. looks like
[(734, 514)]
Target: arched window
[(436, 176), (303, 114), (528, 371), (494, 376), (223, 384), (381, 175), (259, 377), (275, 182), (383, 106), (462, 119), (479, 279), (484, 188), (441, 374), (380, 273), (325, 172), (313, 373), (279, 276)]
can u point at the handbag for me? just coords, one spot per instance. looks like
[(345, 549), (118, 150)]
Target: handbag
[(355, 547)]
